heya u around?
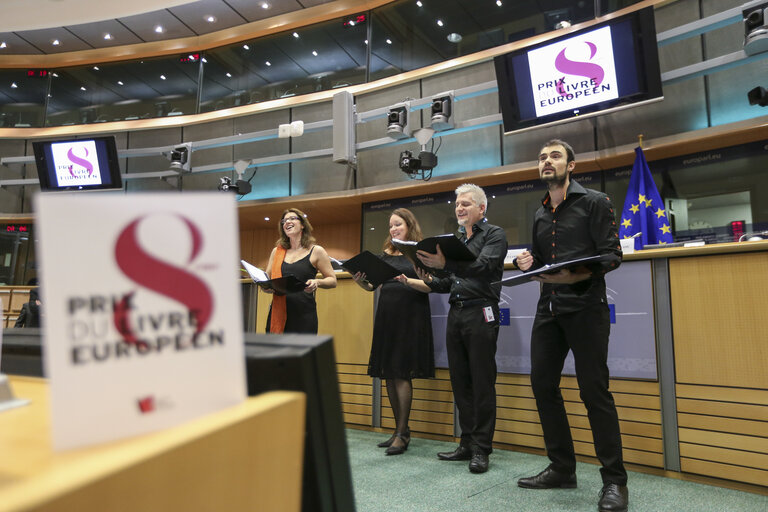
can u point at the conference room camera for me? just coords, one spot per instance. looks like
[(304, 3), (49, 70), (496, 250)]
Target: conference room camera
[(397, 121), (240, 187), (442, 112), (414, 166), (179, 157), (758, 96), (756, 29)]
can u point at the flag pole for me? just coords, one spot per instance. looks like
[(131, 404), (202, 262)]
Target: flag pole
[(640, 140)]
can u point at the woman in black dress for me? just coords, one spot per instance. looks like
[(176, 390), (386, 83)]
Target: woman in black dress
[(402, 347), (296, 253)]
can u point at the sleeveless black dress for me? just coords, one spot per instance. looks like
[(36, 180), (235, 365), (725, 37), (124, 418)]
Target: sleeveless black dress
[(301, 308), (402, 346)]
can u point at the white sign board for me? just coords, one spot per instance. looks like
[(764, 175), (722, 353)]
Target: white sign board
[(143, 322)]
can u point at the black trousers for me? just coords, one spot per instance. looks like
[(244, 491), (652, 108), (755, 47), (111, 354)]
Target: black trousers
[(586, 334), (471, 346)]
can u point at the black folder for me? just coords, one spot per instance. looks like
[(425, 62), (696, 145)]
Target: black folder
[(280, 285), (452, 247), (376, 270), (526, 277)]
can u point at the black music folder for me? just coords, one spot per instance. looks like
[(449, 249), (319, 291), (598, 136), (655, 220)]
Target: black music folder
[(280, 285), (376, 270), (526, 277), (453, 249)]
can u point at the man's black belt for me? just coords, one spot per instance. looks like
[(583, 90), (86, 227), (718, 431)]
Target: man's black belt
[(470, 303)]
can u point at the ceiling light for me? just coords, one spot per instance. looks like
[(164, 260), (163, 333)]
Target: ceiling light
[(389, 41), (82, 88), (454, 37), (162, 77), (159, 29), (366, 41), (439, 23), (266, 219), (268, 63), (13, 85), (246, 47), (55, 75), (419, 4), (264, 5), (55, 42), (205, 61), (314, 53), (229, 75), (95, 68), (296, 35), (107, 36), (120, 82), (3, 45), (210, 19), (498, 2)]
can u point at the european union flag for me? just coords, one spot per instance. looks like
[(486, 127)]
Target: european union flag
[(643, 209)]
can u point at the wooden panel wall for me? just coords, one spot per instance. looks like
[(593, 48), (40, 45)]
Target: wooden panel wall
[(724, 432), (721, 356), (432, 408), (637, 402)]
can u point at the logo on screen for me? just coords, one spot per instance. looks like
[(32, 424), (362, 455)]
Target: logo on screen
[(76, 163), (573, 73)]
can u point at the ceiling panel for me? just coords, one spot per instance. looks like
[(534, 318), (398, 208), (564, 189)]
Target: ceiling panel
[(43, 39), (16, 45), (195, 16), (93, 34), (143, 25), (253, 11)]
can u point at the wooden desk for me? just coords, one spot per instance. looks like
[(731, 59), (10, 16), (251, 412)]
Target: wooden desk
[(247, 457)]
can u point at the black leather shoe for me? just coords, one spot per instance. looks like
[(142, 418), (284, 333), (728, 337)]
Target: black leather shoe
[(460, 453), (549, 479), (479, 461), (613, 498), (387, 443), (397, 450)]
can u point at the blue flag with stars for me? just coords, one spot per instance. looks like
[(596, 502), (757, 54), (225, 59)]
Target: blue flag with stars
[(643, 208)]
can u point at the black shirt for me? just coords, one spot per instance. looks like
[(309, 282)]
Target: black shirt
[(582, 225), (472, 279)]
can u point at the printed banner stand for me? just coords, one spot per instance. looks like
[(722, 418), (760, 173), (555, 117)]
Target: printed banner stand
[(143, 325), (7, 398)]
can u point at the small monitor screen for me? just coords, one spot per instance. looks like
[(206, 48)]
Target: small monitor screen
[(82, 164), (607, 66)]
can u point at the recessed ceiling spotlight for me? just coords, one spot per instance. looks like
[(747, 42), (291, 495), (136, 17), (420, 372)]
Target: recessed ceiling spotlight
[(55, 42), (162, 77), (210, 19), (55, 75), (159, 29), (296, 35), (229, 75), (389, 41), (454, 37), (246, 47), (82, 88), (205, 61), (264, 5), (439, 23), (268, 63), (419, 4), (3, 45), (314, 53), (13, 85), (366, 41), (120, 82), (498, 2), (107, 36), (266, 219)]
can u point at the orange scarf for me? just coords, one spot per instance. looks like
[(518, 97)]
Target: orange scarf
[(279, 310)]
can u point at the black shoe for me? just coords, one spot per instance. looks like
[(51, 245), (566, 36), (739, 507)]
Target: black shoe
[(461, 453), (549, 479), (397, 450), (387, 443), (613, 498), (479, 461)]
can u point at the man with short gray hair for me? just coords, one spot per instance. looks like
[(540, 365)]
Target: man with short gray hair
[(473, 324)]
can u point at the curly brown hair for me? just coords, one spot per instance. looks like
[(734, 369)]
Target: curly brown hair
[(307, 240), (414, 230)]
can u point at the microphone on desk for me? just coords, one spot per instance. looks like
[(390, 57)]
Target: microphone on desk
[(753, 236)]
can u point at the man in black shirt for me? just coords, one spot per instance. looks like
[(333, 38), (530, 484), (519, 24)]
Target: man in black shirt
[(473, 324), (572, 314)]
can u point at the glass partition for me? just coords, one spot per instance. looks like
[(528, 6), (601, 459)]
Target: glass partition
[(22, 97)]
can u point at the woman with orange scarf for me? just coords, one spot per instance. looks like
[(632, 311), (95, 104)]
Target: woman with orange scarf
[(296, 253)]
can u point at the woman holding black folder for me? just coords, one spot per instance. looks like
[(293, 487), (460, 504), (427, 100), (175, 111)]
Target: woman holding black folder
[(297, 254), (402, 347)]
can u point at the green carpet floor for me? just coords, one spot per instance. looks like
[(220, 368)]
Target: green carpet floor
[(418, 482)]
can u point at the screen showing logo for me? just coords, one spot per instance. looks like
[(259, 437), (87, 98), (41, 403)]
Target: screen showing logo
[(573, 73), (76, 163)]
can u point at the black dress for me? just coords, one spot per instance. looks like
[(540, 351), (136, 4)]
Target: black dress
[(301, 308), (402, 346)]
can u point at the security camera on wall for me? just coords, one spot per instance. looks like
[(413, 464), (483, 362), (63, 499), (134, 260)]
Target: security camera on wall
[(397, 121), (756, 29), (442, 111)]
